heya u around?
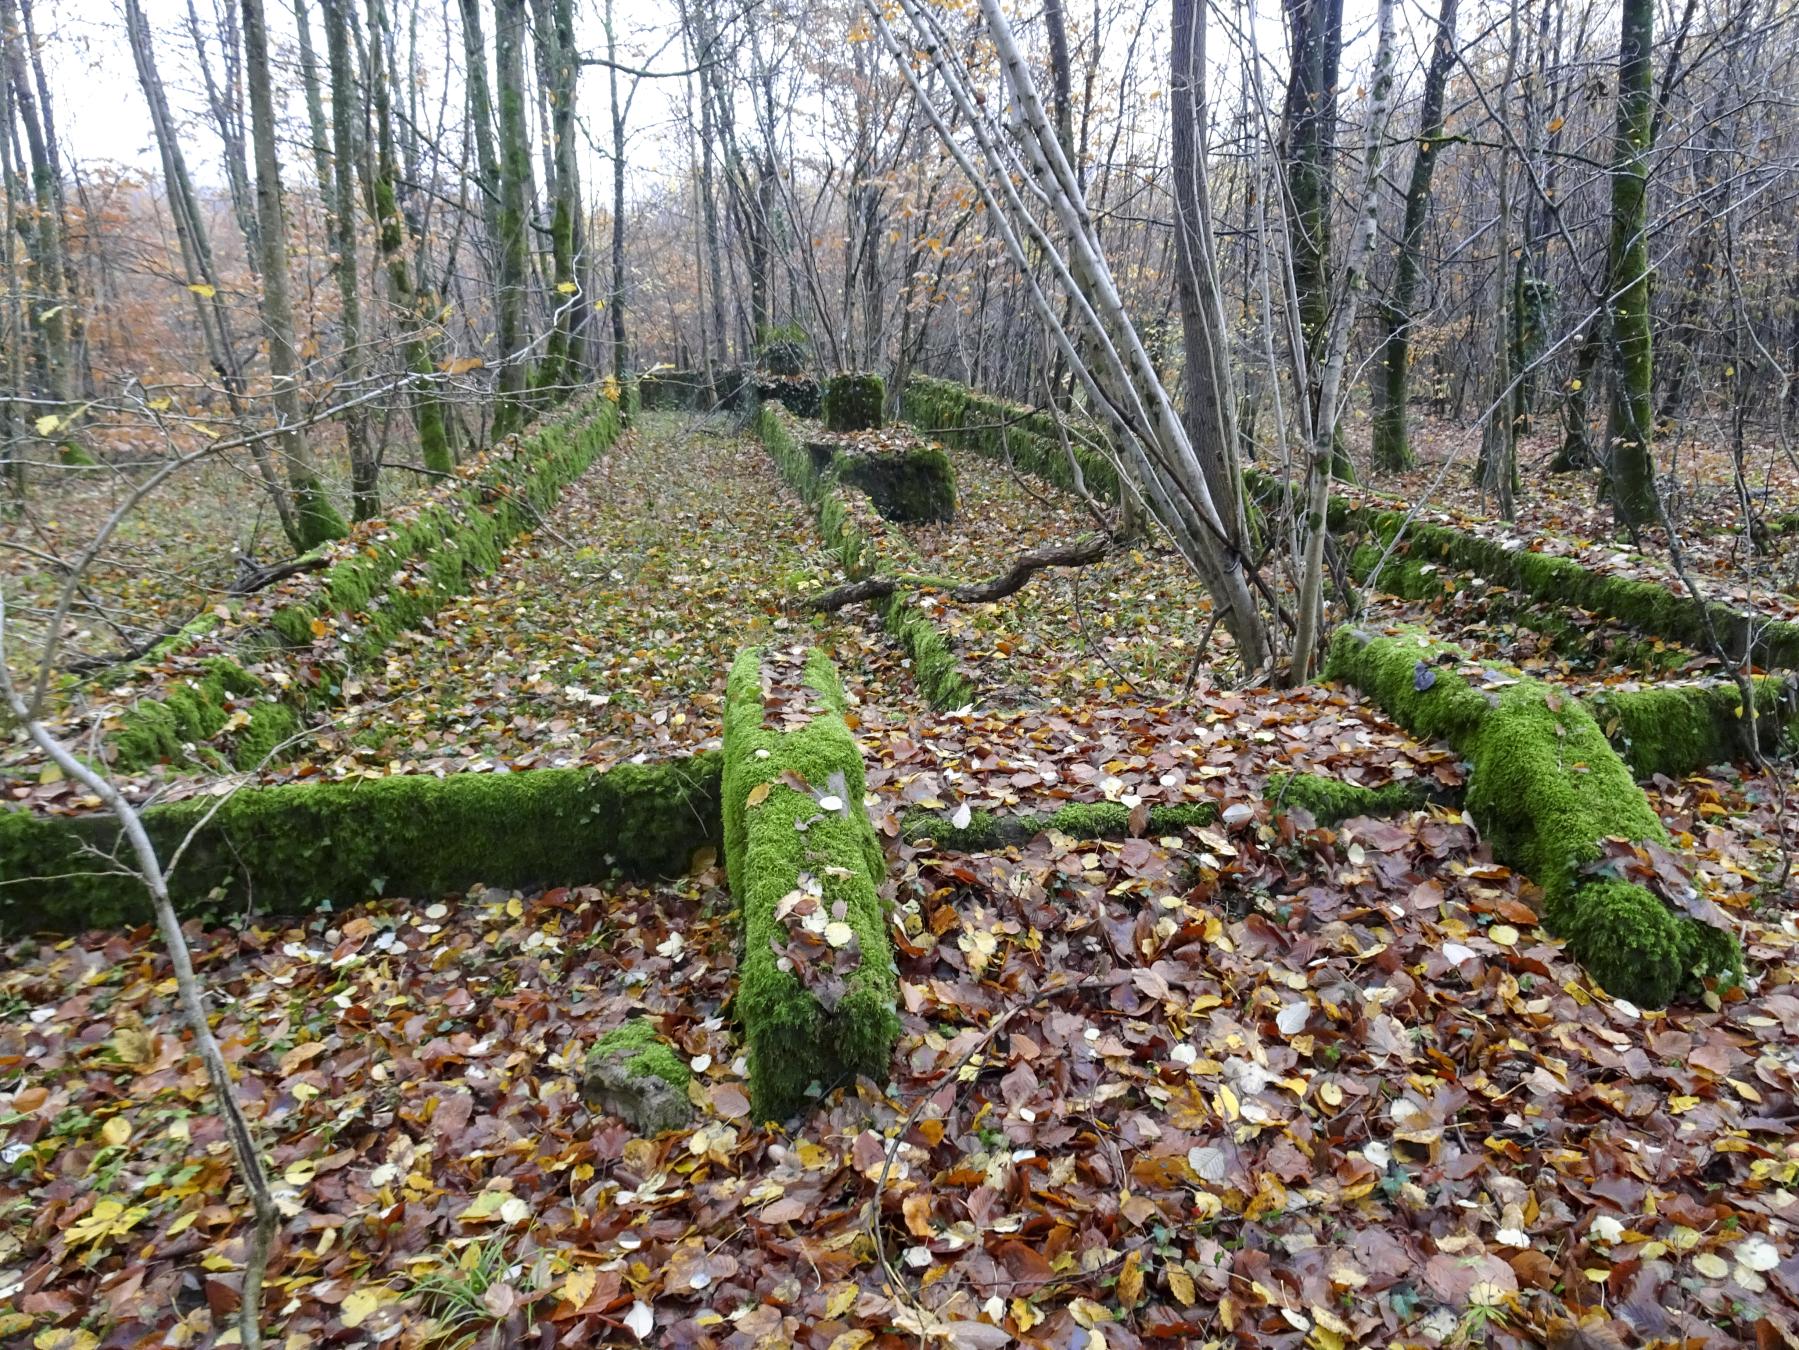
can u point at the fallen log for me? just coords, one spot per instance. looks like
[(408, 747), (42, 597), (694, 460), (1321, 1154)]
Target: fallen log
[(1083, 552)]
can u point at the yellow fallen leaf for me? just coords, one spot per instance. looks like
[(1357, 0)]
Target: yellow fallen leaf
[(579, 1286), (60, 1338), (1711, 1265), (1180, 1284), (204, 291), (1130, 1280), (361, 1303), (48, 423), (116, 1132), (1504, 934), (758, 795)]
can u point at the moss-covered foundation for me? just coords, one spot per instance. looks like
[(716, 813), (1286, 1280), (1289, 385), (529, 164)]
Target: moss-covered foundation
[(1016, 435), (1077, 820), (855, 402), (934, 665), (914, 486), (398, 576), (1547, 789), (816, 1013), (299, 847)]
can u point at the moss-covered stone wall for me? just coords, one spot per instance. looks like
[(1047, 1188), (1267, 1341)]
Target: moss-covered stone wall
[(934, 665), (387, 581), (817, 984), (1547, 789), (1028, 439), (296, 847)]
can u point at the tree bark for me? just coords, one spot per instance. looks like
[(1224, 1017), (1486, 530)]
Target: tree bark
[(1392, 449), (195, 245), (515, 197), (1210, 414), (1630, 464), (315, 518), (1335, 351)]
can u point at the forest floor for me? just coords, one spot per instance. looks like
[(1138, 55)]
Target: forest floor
[(1248, 1084)]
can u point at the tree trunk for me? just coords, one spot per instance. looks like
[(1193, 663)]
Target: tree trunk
[(1210, 414), (414, 309), (195, 245), (224, 99), (316, 519), (556, 61), (480, 117), (515, 197), (1309, 153), (49, 300), (1630, 463), (340, 216), (1391, 390), (1324, 453)]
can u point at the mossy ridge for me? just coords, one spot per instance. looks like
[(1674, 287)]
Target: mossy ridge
[(1007, 432), (1332, 800), (794, 1041), (1677, 729), (962, 416), (1421, 579), (1547, 789), (297, 847), (1646, 606), (1078, 820), (395, 582), (934, 666)]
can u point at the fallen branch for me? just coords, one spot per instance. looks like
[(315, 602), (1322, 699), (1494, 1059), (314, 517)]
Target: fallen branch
[(1083, 552)]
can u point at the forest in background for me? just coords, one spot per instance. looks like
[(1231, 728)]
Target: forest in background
[(850, 675)]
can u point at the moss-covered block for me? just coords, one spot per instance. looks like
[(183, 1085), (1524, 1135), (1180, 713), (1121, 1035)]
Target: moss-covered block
[(855, 402), (778, 840), (1546, 787), (298, 847), (915, 486), (632, 1073), (1077, 820)]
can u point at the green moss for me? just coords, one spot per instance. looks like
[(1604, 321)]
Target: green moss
[(293, 848), (855, 402), (934, 666), (187, 712), (1547, 789), (1078, 820), (1009, 433), (913, 486), (795, 1040), (1680, 729), (1329, 800), (649, 1053)]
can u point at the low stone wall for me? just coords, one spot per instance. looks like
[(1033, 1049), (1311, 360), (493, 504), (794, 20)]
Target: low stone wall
[(293, 848), (934, 666), (203, 685), (817, 984)]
